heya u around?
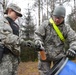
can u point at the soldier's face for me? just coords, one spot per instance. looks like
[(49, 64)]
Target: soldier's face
[(58, 20), (12, 14)]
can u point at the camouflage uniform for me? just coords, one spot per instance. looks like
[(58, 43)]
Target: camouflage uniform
[(9, 63), (10, 60), (54, 47), (11, 42)]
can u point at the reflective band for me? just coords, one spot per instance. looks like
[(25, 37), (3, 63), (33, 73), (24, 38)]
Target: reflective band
[(57, 30)]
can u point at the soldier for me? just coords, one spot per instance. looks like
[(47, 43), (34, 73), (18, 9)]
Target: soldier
[(9, 41), (47, 38)]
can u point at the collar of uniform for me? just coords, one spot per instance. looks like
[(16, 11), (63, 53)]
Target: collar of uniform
[(61, 24), (9, 18)]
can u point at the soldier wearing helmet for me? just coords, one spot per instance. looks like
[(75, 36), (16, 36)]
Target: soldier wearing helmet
[(54, 47)]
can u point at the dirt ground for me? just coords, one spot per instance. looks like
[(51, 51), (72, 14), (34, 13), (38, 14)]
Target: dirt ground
[(28, 68)]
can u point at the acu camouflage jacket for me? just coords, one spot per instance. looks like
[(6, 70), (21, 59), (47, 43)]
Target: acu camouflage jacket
[(54, 47)]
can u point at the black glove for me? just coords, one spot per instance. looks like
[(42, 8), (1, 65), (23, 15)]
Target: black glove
[(30, 43), (39, 46), (71, 53), (27, 43)]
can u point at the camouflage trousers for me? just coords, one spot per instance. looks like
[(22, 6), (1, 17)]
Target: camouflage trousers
[(43, 67), (9, 65)]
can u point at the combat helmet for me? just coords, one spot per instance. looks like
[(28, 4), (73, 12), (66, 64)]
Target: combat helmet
[(59, 11)]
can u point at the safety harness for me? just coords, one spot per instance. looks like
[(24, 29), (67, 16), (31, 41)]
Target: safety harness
[(57, 30)]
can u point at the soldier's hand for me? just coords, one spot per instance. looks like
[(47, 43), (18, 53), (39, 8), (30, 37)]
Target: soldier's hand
[(71, 53), (28, 43), (39, 46), (11, 39)]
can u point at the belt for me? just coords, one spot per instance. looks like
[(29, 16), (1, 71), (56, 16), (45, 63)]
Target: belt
[(6, 50)]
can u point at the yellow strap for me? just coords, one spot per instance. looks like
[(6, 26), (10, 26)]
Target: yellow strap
[(57, 30)]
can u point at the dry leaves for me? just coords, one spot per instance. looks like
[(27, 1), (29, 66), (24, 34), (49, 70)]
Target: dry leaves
[(28, 68)]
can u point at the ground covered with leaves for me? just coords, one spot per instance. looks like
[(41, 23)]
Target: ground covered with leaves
[(28, 68)]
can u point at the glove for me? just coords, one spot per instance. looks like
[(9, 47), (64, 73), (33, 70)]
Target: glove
[(39, 46), (28, 43), (71, 53)]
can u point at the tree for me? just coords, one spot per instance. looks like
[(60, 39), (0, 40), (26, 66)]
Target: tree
[(44, 17), (72, 17), (39, 4), (72, 21), (29, 25), (1, 11), (28, 53)]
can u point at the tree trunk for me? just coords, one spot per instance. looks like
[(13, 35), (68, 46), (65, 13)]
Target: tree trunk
[(38, 12), (1, 9), (52, 5), (42, 10), (47, 9)]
